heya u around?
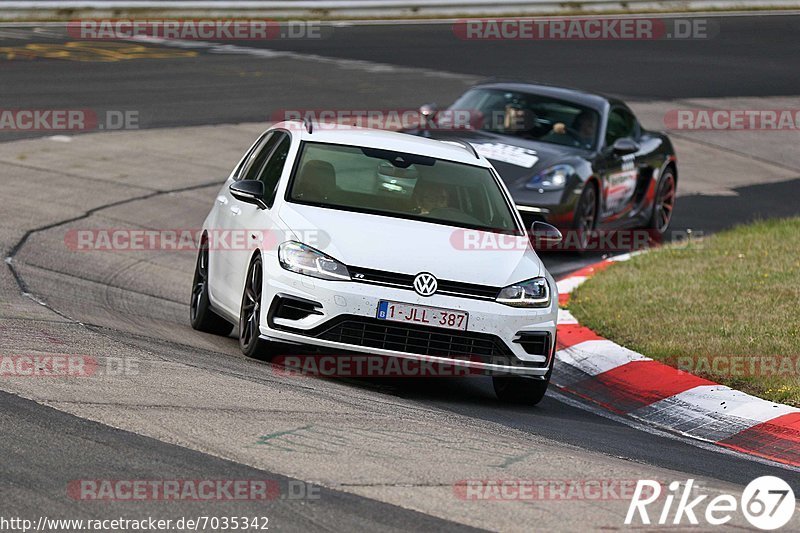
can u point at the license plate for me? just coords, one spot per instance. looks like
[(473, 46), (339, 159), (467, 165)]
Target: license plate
[(423, 315)]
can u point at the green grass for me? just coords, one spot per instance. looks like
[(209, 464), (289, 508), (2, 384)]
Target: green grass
[(731, 297)]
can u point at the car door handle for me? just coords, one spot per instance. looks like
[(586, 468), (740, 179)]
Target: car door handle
[(235, 210), (221, 200)]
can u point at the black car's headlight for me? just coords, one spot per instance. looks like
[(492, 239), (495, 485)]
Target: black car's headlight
[(303, 259), (532, 293), (551, 179)]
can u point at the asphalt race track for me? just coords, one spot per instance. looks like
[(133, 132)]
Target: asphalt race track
[(380, 454)]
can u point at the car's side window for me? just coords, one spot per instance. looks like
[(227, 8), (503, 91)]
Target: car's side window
[(621, 123), (255, 160), (272, 169)]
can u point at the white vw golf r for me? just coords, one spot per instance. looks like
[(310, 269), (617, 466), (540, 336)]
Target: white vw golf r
[(339, 255)]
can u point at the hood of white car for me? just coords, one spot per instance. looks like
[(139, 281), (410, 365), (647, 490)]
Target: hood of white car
[(410, 246)]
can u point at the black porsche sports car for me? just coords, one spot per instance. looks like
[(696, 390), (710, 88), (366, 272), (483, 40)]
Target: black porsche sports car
[(578, 161)]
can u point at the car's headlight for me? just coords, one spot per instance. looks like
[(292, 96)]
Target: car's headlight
[(532, 293), (551, 179), (303, 259)]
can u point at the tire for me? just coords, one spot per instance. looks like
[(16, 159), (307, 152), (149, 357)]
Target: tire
[(519, 390), (664, 203), (585, 220), (250, 342), (201, 316), (525, 391)]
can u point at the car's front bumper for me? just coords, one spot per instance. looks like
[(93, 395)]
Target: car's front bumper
[(357, 302)]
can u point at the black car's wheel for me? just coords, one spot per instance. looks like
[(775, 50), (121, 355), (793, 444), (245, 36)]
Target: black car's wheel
[(201, 316), (585, 220), (520, 390), (664, 203), (250, 341)]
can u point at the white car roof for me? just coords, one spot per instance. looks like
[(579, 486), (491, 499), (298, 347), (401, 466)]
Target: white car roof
[(387, 140)]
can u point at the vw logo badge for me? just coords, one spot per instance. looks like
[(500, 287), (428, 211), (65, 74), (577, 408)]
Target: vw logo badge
[(425, 284)]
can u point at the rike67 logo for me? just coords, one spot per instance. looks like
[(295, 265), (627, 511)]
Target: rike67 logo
[(767, 503)]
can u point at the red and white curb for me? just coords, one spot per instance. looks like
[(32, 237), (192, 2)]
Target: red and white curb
[(628, 383)]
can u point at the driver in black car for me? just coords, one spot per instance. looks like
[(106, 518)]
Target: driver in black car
[(582, 131)]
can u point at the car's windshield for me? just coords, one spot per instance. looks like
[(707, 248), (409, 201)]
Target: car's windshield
[(402, 185), (532, 116)]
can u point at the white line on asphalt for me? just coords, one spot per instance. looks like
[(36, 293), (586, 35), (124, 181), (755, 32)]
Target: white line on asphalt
[(269, 53)]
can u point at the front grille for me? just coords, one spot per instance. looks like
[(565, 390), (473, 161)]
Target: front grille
[(406, 281), (409, 338), (470, 289), (369, 275)]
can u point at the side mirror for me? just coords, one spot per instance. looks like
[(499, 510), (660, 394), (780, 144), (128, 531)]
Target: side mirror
[(250, 191), (625, 146), (544, 233)]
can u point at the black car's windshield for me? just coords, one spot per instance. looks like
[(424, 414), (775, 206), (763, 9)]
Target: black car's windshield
[(401, 185), (532, 116)]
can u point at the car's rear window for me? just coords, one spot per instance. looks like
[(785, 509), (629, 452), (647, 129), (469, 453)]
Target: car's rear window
[(402, 185)]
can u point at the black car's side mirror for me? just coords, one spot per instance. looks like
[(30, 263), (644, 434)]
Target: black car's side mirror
[(625, 146), (250, 191), (542, 232)]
